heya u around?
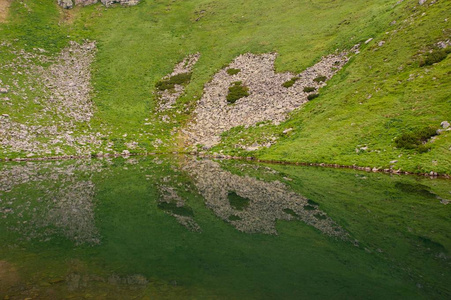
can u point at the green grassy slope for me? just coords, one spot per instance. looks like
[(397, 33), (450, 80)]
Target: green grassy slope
[(367, 104)]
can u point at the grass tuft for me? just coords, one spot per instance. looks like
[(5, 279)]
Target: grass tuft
[(290, 82), (320, 79)]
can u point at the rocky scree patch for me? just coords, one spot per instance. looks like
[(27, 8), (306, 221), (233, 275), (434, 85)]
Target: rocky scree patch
[(268, 96)]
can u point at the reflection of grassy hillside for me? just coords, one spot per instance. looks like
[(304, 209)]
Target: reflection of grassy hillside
[(401, 235)]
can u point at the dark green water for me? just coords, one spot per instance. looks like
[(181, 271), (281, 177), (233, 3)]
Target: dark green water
[(178, 228)]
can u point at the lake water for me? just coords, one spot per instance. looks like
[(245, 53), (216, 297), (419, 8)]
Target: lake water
[(179, 227)]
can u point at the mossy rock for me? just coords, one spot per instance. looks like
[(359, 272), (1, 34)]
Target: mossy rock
[(309, 89)]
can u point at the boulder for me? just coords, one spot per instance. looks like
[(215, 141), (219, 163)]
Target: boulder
[(67, 4), (85, 2)]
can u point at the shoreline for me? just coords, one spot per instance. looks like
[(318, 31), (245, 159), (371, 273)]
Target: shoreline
[(228, 157)]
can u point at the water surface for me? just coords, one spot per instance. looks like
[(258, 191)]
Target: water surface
[(178, 227)]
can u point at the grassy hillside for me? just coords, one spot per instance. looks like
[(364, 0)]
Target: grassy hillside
[(381, 94)]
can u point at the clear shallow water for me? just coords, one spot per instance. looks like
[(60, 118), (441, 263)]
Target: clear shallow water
[(176, 227)]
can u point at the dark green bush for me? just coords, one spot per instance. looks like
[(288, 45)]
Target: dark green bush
[(233, 71), (415, 139), (309, 89), (312, 96), (435, 57), (237, 91), (320, 79), (290, 82), (169, 84)]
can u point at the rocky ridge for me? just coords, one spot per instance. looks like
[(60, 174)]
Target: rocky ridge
[(269, 100)]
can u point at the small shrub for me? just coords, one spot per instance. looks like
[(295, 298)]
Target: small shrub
[(415, 139), (233, 71), (435, 57), (169, 84), (320, 79), (309, 89), (290, 82), (312, 96), (237, 91)]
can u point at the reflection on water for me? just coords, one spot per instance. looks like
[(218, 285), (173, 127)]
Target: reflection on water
[(65, 197), (254, 206), (175, 206), (186, 228)]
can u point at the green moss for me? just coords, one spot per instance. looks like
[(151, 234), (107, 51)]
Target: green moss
[(233, 71), (169, 84), (290, 83), (237, 91), (309, 89), (320, 78)]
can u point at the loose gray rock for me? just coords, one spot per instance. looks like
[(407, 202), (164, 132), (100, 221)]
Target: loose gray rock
[(66, 4)]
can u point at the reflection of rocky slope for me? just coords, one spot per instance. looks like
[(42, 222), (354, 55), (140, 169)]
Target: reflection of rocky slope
[(254, 206), (268, 99), (174, 205), (40, 200), (76, 281)]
